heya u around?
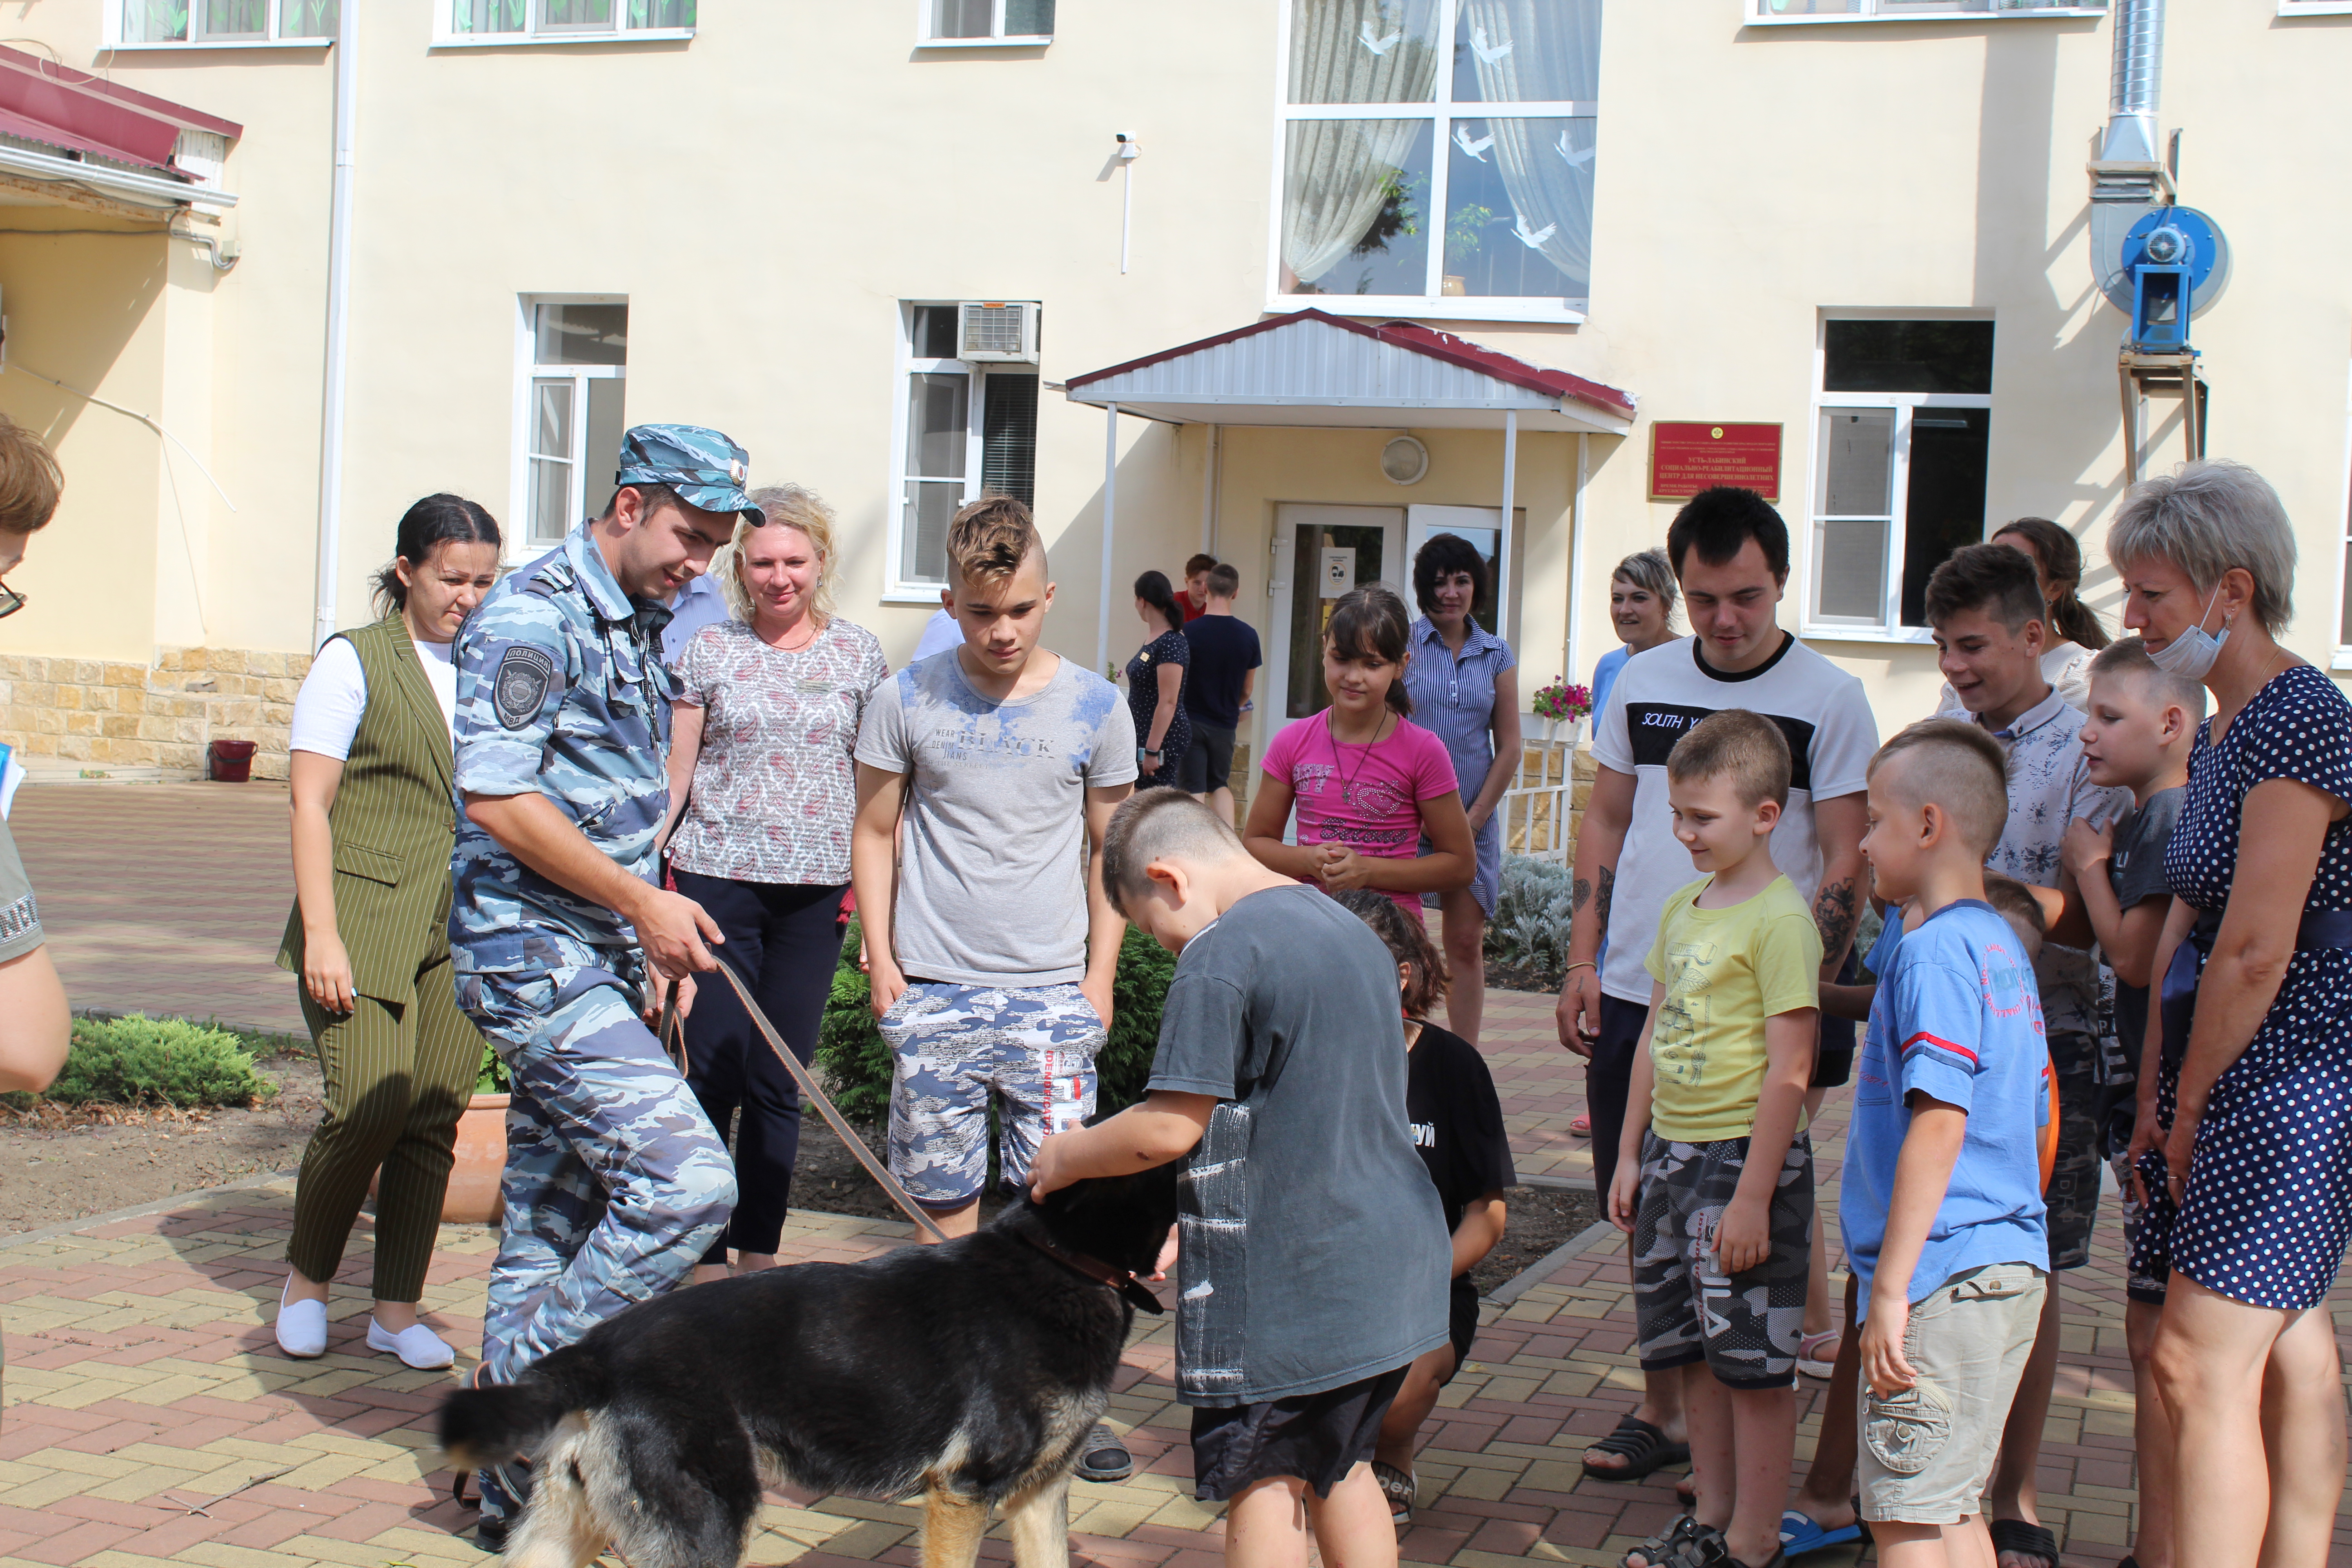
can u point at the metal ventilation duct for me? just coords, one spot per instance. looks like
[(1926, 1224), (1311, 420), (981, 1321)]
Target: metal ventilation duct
[(2137, 85)]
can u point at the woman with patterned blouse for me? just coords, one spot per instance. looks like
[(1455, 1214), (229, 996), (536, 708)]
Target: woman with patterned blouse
[(761, 794), (1155, 683)]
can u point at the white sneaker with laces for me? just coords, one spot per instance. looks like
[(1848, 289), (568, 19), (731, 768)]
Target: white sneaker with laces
[(415, 1345), (301, 1326)]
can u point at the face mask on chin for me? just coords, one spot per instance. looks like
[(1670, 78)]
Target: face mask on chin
[(2191, 654)]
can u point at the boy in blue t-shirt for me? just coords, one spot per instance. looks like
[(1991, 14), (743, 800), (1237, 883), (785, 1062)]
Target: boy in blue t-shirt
[(1942, 1207)]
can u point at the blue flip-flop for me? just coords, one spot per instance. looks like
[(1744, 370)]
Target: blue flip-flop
[(1800, 1534)]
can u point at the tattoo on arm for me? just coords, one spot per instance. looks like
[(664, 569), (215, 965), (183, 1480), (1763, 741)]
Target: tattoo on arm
[(1600, 898), (1837, 911), (1580, 893)]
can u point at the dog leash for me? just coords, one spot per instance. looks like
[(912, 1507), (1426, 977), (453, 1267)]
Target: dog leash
[(672, 1027)]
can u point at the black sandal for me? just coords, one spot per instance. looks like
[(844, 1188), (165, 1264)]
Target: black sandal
[(1644, 1448), (2026, 1540), (1684, 1543)]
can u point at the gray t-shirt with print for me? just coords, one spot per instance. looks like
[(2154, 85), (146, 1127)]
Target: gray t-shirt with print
[(20, 911), (2136, 871), (991, 876), (1313, 1247)]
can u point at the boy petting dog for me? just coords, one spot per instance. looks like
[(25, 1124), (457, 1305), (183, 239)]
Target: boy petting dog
[(1714, 1173), (1314, 1258)]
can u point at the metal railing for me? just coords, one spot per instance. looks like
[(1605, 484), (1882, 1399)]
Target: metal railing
[(1535, 811)]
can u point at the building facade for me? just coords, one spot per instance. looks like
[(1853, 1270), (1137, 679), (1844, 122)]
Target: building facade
[(907, 249)]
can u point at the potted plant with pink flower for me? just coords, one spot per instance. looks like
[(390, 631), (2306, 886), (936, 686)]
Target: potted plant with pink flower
[(1563, 704)]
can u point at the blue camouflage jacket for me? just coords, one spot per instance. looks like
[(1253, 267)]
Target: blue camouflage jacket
[(561, 688)]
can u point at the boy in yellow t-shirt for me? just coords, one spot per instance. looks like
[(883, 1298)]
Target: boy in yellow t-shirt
[(1721, 1242)]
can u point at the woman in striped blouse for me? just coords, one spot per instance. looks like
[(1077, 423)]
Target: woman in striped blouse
[(374, 818)]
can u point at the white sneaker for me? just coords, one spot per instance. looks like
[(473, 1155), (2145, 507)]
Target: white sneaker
[(415, 1345), (301, 1326)]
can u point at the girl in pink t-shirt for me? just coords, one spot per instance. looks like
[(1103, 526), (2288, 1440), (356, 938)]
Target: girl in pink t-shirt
[(1368, 784)]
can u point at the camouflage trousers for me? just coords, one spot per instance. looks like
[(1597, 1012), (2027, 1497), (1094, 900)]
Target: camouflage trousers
[(615, 1181), (955, 1049)]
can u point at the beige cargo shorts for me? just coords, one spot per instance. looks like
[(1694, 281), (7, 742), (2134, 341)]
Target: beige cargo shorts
[(1927, 1451)]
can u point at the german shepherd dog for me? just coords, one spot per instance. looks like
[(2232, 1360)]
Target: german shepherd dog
[(970, 1371)]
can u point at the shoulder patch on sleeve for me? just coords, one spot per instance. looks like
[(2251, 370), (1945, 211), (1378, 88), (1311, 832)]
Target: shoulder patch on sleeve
[(521, 685)]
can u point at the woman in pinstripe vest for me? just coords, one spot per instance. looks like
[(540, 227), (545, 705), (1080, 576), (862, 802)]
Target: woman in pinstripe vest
[(374, 818)]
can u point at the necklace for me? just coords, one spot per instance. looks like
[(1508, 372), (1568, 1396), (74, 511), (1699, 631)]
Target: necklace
[(809, 631), (1348, 780)]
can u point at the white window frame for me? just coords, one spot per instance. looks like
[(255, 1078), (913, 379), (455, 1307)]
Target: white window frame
[(1761, 13), (519, 546), (110, 31), (998, 39), (1889, 627), (2315, 8), (2342, 657), (1441, 109), (899, 588), (446, 35)]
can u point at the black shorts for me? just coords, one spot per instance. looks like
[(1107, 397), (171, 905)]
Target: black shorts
[(1318, 1438), (1833, 1048), (1208, 762), (1462, 1323)]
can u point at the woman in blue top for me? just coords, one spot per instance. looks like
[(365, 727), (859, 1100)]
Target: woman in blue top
[(2259, 1155), (1464, 685), (1641, 595)]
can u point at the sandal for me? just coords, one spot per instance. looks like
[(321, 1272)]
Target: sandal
[(1400, 1486), (1684, 1543), (1103, 1457), (1580, 1125), (1801, 1533), (1642, 1447), (2026, 1538), (1817, 1354)]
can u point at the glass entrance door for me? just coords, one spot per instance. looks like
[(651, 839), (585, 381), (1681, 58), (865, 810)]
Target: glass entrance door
[(1320, 553)]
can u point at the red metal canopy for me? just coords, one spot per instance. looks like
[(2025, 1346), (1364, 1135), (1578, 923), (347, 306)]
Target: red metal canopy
[(59, 106)]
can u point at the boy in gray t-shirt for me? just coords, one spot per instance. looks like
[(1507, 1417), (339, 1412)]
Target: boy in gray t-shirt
[(1313, 1253), (986, 775)]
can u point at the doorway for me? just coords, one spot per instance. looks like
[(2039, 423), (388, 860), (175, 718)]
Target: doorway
[(1320, 553)]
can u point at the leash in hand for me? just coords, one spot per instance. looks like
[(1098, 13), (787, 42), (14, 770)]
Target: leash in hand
[(672, 1032)]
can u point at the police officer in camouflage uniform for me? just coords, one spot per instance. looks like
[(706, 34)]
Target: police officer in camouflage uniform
[(615, 1181)]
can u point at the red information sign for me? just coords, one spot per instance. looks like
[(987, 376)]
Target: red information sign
[(1687, 455)]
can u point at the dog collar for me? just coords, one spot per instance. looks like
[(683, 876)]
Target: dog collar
[(1136, 1294)]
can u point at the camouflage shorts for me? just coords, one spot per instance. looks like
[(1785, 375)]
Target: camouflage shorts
[(953, 1048), (1744, 1327)]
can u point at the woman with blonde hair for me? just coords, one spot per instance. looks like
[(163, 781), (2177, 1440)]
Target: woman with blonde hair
[(762, 792)]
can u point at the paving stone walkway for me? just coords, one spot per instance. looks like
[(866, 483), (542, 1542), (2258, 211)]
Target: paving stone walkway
[(148, 1417)]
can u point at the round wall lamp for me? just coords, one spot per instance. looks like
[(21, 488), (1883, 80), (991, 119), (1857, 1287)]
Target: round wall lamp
[(1403, 460)]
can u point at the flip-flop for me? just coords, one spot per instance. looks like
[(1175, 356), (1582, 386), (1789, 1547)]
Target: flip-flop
[(1800, 1534), (1643, 1446), (1810, 1359), (1400, 1486), (2025, 1540), (1580, 1125)]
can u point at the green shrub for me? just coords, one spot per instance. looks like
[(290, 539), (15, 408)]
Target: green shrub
[(1532, 909), (138, 1060), (857, 1062)]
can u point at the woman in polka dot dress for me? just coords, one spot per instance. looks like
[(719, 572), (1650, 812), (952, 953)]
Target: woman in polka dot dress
[(2259, 1156)]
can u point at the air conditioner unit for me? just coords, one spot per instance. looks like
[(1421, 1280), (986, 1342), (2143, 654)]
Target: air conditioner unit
[(991, 332)]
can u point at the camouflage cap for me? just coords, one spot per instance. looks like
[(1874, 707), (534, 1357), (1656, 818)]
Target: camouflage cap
[(702, 466)]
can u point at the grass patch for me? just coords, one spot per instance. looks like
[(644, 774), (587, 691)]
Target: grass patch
[(140, 1061)]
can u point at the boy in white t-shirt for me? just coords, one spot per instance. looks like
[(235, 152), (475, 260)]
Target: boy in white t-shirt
[(1729, 551)]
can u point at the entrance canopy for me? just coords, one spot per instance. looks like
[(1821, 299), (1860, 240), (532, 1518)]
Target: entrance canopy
[(1310, 368), (70, 139)]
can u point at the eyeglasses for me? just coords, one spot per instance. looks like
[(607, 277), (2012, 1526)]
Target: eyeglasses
[(11, 601)]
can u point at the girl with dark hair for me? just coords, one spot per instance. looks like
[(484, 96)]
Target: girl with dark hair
[(1155, 683), (2074, 632), (1368, 783), (370, 766), (1457, 1126), (1464, 682)]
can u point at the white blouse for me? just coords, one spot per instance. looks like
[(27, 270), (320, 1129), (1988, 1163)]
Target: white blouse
[(334, 694)]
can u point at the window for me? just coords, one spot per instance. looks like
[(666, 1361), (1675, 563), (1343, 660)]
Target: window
[(2315, 7), (969, 23), (1913, 10), (561, 21), (575, 356), (1437, 157), (219, 23), (1903, 422), (965, 430)]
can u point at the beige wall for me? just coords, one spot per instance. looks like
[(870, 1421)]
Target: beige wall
[(766, 194)]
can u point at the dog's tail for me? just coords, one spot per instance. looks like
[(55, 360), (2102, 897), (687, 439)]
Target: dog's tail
[(485, 1426)]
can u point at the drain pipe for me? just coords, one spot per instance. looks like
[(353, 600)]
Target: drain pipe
[(339, 322)]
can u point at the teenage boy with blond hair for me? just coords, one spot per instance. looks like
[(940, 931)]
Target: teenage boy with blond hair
[(1715, 1175), (1313, 1253), (1942, 1204), (989, 942)]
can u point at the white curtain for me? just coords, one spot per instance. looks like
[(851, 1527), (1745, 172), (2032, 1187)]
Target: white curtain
[(1336, 172), (1530, 51)]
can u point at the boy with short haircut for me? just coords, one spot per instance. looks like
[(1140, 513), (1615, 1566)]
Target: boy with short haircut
[(1986, 610), (2141, 728), (1312, 1253), (1195, 599), (992, 949), (1224, 667), (1714, 1175), (1942, 1206)]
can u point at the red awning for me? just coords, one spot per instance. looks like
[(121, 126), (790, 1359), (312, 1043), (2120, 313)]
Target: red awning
[(76, 112)]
